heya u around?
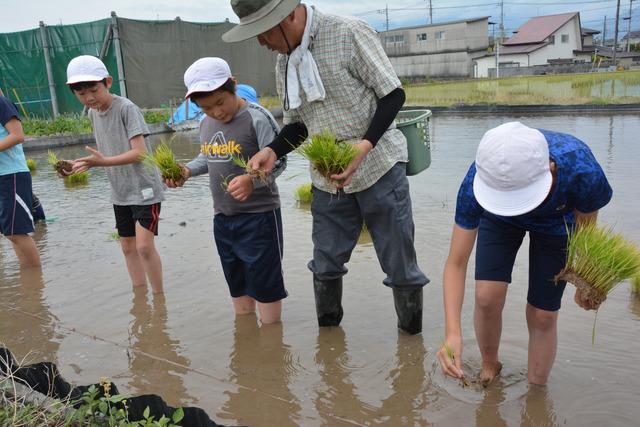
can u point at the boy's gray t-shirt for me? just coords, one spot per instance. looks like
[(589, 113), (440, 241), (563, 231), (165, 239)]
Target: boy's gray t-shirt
[(132, 184), (252, 129)]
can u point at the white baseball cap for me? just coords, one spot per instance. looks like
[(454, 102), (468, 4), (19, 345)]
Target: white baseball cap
[(206, 75), (513, 176), (86, 68)]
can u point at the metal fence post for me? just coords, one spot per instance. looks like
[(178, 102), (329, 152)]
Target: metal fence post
[(116, 44), (47, 60)]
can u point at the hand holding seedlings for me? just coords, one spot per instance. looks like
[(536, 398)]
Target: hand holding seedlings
[(63, 168), (240, 187), (83, 164), (264, 160), (344, 178), (179, 182), (449, 357)]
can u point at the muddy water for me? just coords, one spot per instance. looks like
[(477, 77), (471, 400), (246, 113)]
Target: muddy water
[(186, 346)]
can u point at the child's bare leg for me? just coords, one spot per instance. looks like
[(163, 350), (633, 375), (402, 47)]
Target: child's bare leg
[(270, 312), (244, 305), (543, 342), (26, 250), (134, 265), (490, 298), (150, 257)]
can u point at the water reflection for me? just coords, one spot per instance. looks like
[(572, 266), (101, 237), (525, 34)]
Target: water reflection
[(154, 359), (339, 398), (407, 403), (634, 304), (25, 317), (261, 366), (538, 410), (488, 412)]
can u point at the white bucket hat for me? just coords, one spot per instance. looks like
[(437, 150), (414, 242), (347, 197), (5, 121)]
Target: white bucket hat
[(86, 68), (512, 170), (206, 75)]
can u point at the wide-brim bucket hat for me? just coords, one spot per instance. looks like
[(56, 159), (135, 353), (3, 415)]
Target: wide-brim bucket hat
[(257, 16)]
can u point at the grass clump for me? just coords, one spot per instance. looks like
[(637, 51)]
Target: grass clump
[(164, 159), (62, 167), (598, 260), (79, 178), (303, 194), (326, 155), (32, 165), (156, 116)]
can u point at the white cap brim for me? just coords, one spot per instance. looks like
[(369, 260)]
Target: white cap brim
[(512, 203), (85, 78), (203, 86)]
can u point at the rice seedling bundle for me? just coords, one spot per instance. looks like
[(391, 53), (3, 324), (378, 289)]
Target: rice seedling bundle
[(328, 156), (62, 167), (163, 158), (32, 165), (77, 178), (635, 284), (598, 260), (303, 194), (255, 173)]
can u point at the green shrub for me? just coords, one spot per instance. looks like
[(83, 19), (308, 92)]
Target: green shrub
[(65, 124)]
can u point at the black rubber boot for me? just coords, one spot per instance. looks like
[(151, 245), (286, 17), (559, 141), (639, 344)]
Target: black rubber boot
[(328, 301), (409, 309)]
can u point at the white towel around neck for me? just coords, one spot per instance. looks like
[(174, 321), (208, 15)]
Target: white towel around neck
[(302, 65)]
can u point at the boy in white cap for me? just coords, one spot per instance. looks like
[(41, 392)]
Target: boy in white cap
[(247, 223), (136, 191), (523, 180)]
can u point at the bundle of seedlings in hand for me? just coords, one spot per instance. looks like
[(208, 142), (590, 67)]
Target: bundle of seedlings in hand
[(163, 158), (62, 167), (254, 173), (32, 165), (598, 260), (328, 156)]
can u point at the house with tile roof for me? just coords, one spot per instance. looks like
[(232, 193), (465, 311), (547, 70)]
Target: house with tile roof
[(542, 40)]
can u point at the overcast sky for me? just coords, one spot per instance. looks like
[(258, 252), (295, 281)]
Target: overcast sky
[(21, 15)]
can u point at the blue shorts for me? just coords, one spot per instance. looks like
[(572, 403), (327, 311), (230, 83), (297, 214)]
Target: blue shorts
[(496, 249), (250, 249), (15, 204)]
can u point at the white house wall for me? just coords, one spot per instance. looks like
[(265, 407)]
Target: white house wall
[(559, 50), (434, 65)]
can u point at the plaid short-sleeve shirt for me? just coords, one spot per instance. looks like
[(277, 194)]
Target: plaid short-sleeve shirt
[(356, 73)]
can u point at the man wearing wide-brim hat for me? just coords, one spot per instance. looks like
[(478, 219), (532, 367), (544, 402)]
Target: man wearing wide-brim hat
[(332, 74)]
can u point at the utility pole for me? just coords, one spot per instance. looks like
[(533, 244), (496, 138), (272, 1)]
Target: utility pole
[(604, 31), (629, 32), (430, 13), (615, 35), (500, 37), (386, 14)]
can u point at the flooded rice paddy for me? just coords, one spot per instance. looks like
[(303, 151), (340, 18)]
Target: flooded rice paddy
[(186, 346)]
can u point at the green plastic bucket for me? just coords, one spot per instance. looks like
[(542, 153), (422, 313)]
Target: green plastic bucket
[(414, 124)]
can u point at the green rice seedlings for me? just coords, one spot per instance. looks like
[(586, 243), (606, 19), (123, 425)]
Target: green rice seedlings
[(254, 173), (326, 155), (464, 382), (164, 159), (303, 194), (115, 235), (32, 165), (598, 260), (62, 167), (79, 178)]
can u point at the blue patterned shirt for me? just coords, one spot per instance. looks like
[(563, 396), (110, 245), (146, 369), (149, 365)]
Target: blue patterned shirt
[(580, 185)]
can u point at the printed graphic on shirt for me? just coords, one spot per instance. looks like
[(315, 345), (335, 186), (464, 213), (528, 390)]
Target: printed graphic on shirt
[(218, 149)]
